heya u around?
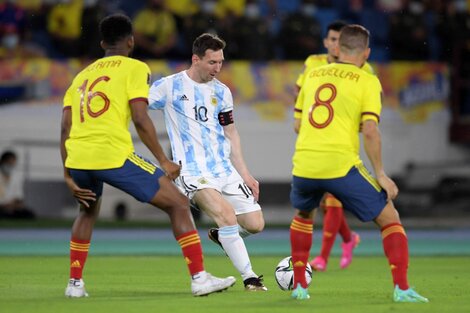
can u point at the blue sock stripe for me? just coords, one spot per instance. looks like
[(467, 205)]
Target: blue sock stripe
[(227, 231)]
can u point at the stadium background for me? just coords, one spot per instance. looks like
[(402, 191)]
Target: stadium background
[(419, 51)]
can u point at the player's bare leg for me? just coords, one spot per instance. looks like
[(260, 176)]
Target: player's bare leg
[(176, 205), (223, 214)]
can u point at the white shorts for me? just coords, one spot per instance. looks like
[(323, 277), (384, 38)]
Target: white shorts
[(232, 188)]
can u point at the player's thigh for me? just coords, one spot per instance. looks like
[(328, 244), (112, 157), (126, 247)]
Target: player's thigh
[(137, 177), (169, 198), (388, 215), (237, 193), (252, 221), (213, 203), (306, 193), (359, 193), (86, 179)]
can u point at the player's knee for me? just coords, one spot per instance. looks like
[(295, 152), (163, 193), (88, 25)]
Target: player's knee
[(255, 226)]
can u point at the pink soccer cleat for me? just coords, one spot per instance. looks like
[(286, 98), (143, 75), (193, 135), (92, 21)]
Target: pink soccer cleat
[(318, 264), (348, 247)]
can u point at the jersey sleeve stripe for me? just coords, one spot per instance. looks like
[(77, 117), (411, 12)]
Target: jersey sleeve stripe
[(132, 101), (297, 110), (372, 113)]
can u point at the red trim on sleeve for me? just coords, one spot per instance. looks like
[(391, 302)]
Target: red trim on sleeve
[(139, 99), (297, 110), (372, 113)]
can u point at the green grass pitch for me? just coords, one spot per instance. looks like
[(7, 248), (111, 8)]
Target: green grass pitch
[(161, 284)]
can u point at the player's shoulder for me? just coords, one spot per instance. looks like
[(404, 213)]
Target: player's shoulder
[(136, 63), (220, 85), (316, 60), (167, 79), (367, 67)]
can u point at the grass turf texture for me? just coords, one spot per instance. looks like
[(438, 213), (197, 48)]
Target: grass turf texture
[(161, 284)]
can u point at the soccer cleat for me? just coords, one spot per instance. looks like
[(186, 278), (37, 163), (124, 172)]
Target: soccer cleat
[(211, 284), (213, 235), (255, 284), (76, 289), (318, 264), (300, 293), (408, 295), (348, 247)]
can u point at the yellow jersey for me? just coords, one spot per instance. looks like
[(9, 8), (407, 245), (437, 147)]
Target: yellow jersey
[(317, 60), (333, 102), (100, 97)]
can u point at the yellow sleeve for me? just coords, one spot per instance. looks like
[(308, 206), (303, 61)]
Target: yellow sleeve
[(139, 82), (372, 103), (299, 105), (368, 68), (68, 97)]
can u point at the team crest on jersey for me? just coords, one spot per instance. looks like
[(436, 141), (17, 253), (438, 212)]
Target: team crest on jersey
[(213, 100)]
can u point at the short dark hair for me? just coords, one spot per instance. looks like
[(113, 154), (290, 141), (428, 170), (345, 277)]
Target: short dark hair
[(207, 41), (7, 155), (336, 26), (115, 27), (354, 38)]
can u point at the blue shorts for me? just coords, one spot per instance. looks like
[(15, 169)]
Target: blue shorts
[(137, 177), (358, 191)]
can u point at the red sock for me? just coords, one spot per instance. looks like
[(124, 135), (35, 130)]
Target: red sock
[(331, 224), (78, 255), (301, 231), (395, 245), (192, 251), (344, 229)]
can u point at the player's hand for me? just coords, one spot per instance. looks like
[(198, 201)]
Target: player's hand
[(82, 195), (389, 186), (171, 169), (253, 184)]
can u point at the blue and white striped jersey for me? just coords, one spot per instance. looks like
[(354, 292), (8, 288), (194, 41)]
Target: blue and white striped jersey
[(191, 112)]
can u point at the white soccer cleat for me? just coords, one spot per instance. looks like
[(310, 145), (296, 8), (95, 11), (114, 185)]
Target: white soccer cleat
[(76, 289), (211, 284)]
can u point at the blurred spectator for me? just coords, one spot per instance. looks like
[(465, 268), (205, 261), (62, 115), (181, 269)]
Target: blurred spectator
[(230, 7), (408, 32), (155, 31), (11, 191), (13, 33), (453, 28), (204, 21), (93, 12), (300, 33), (64, 24), (252, 39)]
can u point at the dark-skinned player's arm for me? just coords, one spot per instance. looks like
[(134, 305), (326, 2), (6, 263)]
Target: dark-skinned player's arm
[(82, 195), (147, 133)]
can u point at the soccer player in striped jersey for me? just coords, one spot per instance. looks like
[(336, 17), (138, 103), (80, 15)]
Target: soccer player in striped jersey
[(97, 148), (204, 140), (334, 220), (336, 102)]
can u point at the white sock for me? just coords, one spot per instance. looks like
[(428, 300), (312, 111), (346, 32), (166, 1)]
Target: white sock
[(243, 232), (201, 276), (236, 250)]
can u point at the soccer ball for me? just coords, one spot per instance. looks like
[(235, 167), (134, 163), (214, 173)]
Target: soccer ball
[(285, 274)]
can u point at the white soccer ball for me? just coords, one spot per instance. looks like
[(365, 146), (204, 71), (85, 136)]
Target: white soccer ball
[(285, 274)]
